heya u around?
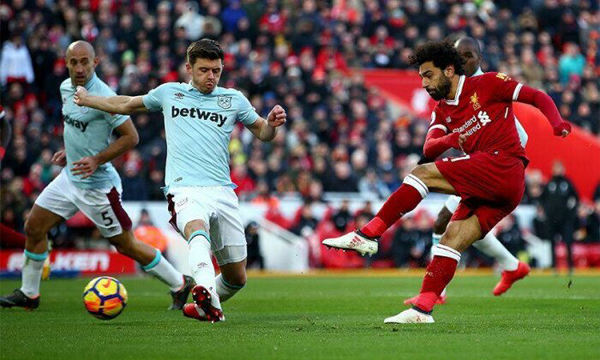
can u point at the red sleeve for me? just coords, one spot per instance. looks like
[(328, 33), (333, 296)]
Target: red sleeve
[(502, 86), (437, 142), (544, 103)]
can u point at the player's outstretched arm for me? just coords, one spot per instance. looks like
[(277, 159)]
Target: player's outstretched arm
[(125, 105), (128, 140), (544, 103), (266, 130)]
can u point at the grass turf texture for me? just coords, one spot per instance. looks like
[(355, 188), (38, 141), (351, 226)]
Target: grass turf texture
[(316, 317)]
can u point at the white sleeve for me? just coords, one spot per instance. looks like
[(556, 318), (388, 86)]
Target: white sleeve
[(522, 133), (3, 66), (29, 74)]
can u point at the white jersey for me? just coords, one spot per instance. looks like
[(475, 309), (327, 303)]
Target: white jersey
[(198, 128), (87, 132)]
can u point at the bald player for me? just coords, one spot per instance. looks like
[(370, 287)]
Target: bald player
[(512, 269), (88, 182)]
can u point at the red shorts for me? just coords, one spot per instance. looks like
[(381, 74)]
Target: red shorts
[(490, 185)]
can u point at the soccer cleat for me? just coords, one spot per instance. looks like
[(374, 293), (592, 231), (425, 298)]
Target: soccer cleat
[(202, 309), (353, 241), (410, 316), (510, 277), (46, 269), (180, 297), (17, 298)]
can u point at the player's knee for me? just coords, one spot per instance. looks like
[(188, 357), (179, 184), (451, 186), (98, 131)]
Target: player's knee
[(451, 236), (34, 231), (238, 278)]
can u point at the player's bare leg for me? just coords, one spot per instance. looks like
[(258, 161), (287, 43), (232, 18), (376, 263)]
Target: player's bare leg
[(37, 226), (231, 280), (513, 270), (422, 179), (206, 305), (154, 263), (459, 236)]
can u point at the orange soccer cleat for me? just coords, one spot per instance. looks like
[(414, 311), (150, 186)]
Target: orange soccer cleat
[(510, 277)]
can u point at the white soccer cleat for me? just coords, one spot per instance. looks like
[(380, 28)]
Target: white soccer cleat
[(410, 316), (353, 241)]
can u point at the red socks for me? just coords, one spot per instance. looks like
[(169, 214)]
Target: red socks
[(402, 201), (437, 276)]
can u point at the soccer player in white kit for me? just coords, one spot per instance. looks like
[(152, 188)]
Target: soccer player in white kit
[(512, 269), (199, 118), (88, 182)]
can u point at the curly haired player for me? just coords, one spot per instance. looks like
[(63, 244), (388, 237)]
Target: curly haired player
[(474, 115)]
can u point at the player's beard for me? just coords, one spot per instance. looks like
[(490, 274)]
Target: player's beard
[(442, 90)]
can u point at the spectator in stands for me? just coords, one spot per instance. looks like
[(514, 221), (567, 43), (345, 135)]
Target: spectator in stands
[(307, 223), (587, 224), (410, 243), (148, 233), (15, 64), (509, 234), (571, 63), (342, 217), (370, 186), (254, 259), (560, 201)]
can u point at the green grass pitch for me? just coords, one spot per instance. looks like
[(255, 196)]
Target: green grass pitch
[(308, 317)]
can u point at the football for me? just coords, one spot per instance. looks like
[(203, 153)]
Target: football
[(105, 297)]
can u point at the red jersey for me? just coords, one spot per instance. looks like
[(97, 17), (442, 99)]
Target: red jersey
[(482, 110)]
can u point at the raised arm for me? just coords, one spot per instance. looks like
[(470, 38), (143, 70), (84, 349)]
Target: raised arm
[(125, 105), (545, 104), (266, 130), (128, 140)]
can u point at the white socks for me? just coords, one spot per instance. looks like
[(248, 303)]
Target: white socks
[(491, 246), (445, 251), (165, 272), (201, 264), (32, 273), (225, 289)]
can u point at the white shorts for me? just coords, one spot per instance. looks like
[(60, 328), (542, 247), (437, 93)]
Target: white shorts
[(452, 203), (218, 207), (102, 206)]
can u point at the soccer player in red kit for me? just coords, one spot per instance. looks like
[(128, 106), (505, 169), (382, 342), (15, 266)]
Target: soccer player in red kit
[(474, 115)]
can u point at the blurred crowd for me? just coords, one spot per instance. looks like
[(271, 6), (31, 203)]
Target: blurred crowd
[(340, 136), (566, 225)]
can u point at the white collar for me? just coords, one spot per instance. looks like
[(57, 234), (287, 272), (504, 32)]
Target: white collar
[(454, 102), (478, 72)]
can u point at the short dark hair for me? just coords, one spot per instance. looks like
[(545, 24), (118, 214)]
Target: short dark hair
[(442, 53), (204, 49)]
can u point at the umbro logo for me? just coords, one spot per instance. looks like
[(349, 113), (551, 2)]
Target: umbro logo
[(448, 119), (179, 96)]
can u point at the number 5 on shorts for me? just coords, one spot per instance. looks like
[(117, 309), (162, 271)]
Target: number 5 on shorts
[(107, 220)]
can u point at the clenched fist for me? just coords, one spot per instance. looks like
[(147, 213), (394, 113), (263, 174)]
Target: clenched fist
[(277, 117)]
